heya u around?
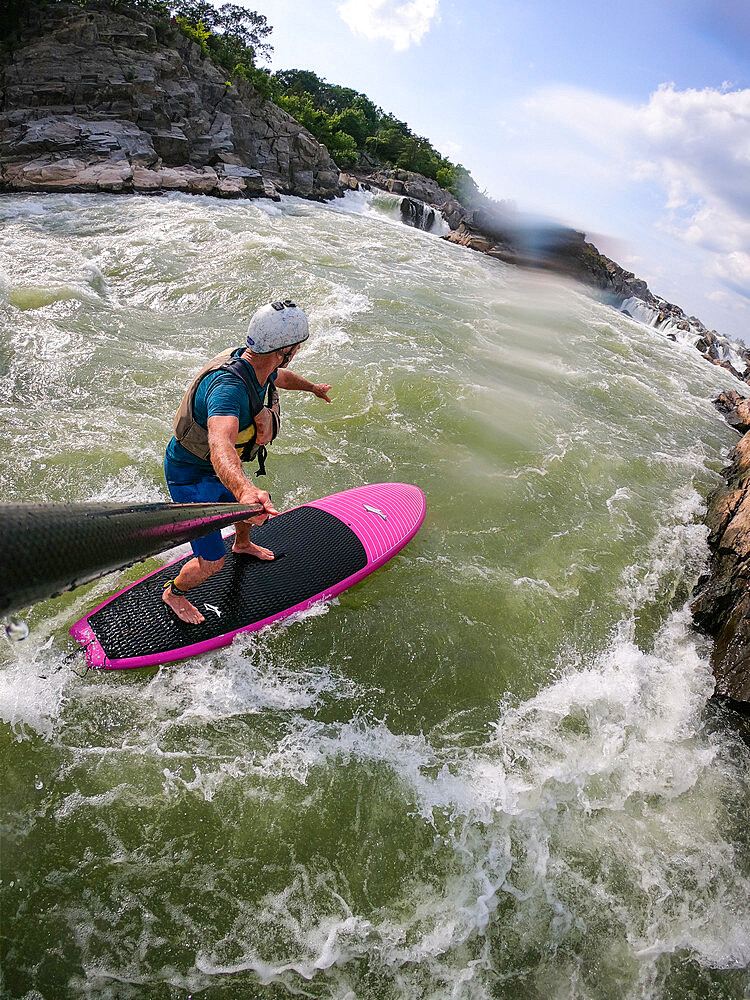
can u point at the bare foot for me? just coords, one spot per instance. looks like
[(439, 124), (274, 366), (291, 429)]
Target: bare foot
[(182, 607), (250, 549)]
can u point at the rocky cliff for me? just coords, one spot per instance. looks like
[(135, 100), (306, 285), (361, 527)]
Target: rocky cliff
[(721, 604), (93, 99)]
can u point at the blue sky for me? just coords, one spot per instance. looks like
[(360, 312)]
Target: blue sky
[(629, 121)]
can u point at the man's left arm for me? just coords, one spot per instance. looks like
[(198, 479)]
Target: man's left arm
[(291, 380)]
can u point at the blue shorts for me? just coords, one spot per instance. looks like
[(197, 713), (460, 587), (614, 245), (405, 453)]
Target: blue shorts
[(209, 489)]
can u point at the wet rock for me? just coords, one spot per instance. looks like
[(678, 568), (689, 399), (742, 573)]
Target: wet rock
[(416, 214), (735, 409), (69, 174), (721, 604), (251, 181), (726, 401), (269, 191), (726, 365), (230, 187), (465, 236), (419, 188)]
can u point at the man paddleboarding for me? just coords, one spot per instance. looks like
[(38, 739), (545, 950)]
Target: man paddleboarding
[(228, 415)]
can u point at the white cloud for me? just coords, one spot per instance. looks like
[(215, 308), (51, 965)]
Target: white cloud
[(694, 144), (733, 269), (402, 22), (450, 149)]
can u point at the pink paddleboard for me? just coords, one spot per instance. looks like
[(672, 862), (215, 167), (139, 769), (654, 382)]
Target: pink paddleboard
[(321, 548)]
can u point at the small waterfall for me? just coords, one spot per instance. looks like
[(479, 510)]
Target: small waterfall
[(416, 214)]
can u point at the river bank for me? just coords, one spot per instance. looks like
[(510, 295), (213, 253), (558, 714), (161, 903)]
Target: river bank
[(115, 100), (721, 605)]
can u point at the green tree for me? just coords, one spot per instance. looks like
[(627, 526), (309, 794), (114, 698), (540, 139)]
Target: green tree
[(343, 149), (352, 121), (232, 35), (197, 33)]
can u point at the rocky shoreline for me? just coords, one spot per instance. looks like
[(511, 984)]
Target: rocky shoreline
[(501, 235), (721, 600)]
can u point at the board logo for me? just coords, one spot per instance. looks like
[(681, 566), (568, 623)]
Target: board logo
[(212, 607), (375, 510)]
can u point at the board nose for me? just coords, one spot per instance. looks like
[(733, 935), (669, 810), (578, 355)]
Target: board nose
[(385, 516)]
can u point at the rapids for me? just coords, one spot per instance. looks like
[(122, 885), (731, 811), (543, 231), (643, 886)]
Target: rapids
[(492, 769)]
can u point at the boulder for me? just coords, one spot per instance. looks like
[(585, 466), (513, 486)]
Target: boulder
[(417, 214), (172, 146), (269, 191), (467, 237), (146, 181), (735, 408), (251, 180), (230, 187), (107, 176)]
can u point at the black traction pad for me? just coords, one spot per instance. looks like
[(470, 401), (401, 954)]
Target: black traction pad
[(314, 550)]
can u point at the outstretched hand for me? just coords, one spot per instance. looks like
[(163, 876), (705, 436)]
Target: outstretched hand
[(321, 391)]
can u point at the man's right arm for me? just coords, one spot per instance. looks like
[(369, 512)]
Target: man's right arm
[(222, 433)]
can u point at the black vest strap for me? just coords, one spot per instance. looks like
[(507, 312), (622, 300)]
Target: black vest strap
[(239, 368)]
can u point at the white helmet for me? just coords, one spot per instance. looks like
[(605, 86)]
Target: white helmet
[(276, 326)]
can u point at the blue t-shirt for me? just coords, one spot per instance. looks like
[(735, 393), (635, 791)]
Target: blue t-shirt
[(220, 394)]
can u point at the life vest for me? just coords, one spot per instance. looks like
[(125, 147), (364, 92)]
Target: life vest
[(194, 436)]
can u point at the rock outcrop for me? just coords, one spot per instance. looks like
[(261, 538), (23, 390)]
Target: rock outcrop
[(416, 187), (97, 99), (417, 214), (721, 605), (564, 250)]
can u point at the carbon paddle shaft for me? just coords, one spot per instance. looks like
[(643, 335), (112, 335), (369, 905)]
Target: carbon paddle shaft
[(46, 549)]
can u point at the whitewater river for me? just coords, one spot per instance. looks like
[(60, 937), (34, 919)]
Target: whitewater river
[(492, 769)]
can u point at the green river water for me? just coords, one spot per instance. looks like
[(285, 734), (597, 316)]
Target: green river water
[(491, 770)]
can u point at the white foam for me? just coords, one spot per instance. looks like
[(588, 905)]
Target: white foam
[(573, 769), (331, 317)]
